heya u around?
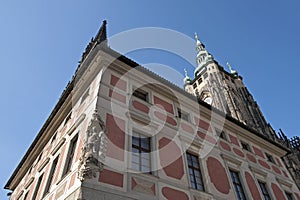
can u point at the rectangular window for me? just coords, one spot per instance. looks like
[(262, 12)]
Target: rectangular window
[(26, 195), (289, 196), (53, 137), (37, 187), (141, 153), (70, 155), (199, 81), (195, 85), (182, 115), (39, 158), (85, 95), (51, 175), (141, 94), (195, 172), (246, 146), (221, 134), (68, 118), (264, 190), (239, 191), (270, 158)]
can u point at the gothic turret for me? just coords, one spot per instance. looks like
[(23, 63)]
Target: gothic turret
[(225, 91), (203, 57)]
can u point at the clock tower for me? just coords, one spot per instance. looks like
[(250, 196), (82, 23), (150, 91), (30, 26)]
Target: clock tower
[(225, 91)]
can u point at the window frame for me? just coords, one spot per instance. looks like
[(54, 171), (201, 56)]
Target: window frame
[(70, 156), (238, 186), (264, 190), (51, 176), (181, 113), (246, 146), (141, 150), (270, 158), (139, 94), (289, 195), (221, 134), (68, 118), (85, 95), (37, 187), (191, 168)]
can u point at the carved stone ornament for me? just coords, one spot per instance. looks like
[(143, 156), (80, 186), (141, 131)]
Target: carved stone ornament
[(94, 149)]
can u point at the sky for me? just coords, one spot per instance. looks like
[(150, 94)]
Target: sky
[(42, 42)]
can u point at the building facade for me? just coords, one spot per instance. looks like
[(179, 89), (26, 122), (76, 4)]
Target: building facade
[(120, 131)]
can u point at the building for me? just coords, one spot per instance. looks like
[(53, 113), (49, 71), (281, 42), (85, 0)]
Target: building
[(120, 131)]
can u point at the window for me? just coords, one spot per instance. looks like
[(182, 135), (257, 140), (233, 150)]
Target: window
[(85, 95), (195, 172), (30, 169), (221, 134), (141, 94), (264, 190), (37, 187), (195, 85), (246, 146), (289, 196), (68, 118), (70, 155), (199, 81), (239, 191), (26, 195), (39, 158), (182, 115), (53, 137), (51, 175), (141, 153), (270, 158)]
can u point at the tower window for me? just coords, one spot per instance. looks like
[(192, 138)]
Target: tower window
[(141, 94), (195, 85), (246, 146), (264, 190), (195, 172), (53, 137), (199, 81), (141, 153), (205, 75), (270, 158), (239, 191)]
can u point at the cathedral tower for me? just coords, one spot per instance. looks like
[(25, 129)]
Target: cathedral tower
[(225, 91)]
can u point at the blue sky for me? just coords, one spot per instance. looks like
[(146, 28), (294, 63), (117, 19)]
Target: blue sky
[(42, 42)]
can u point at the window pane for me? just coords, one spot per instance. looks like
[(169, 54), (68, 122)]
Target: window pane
[(140, 153), (194, 172)]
